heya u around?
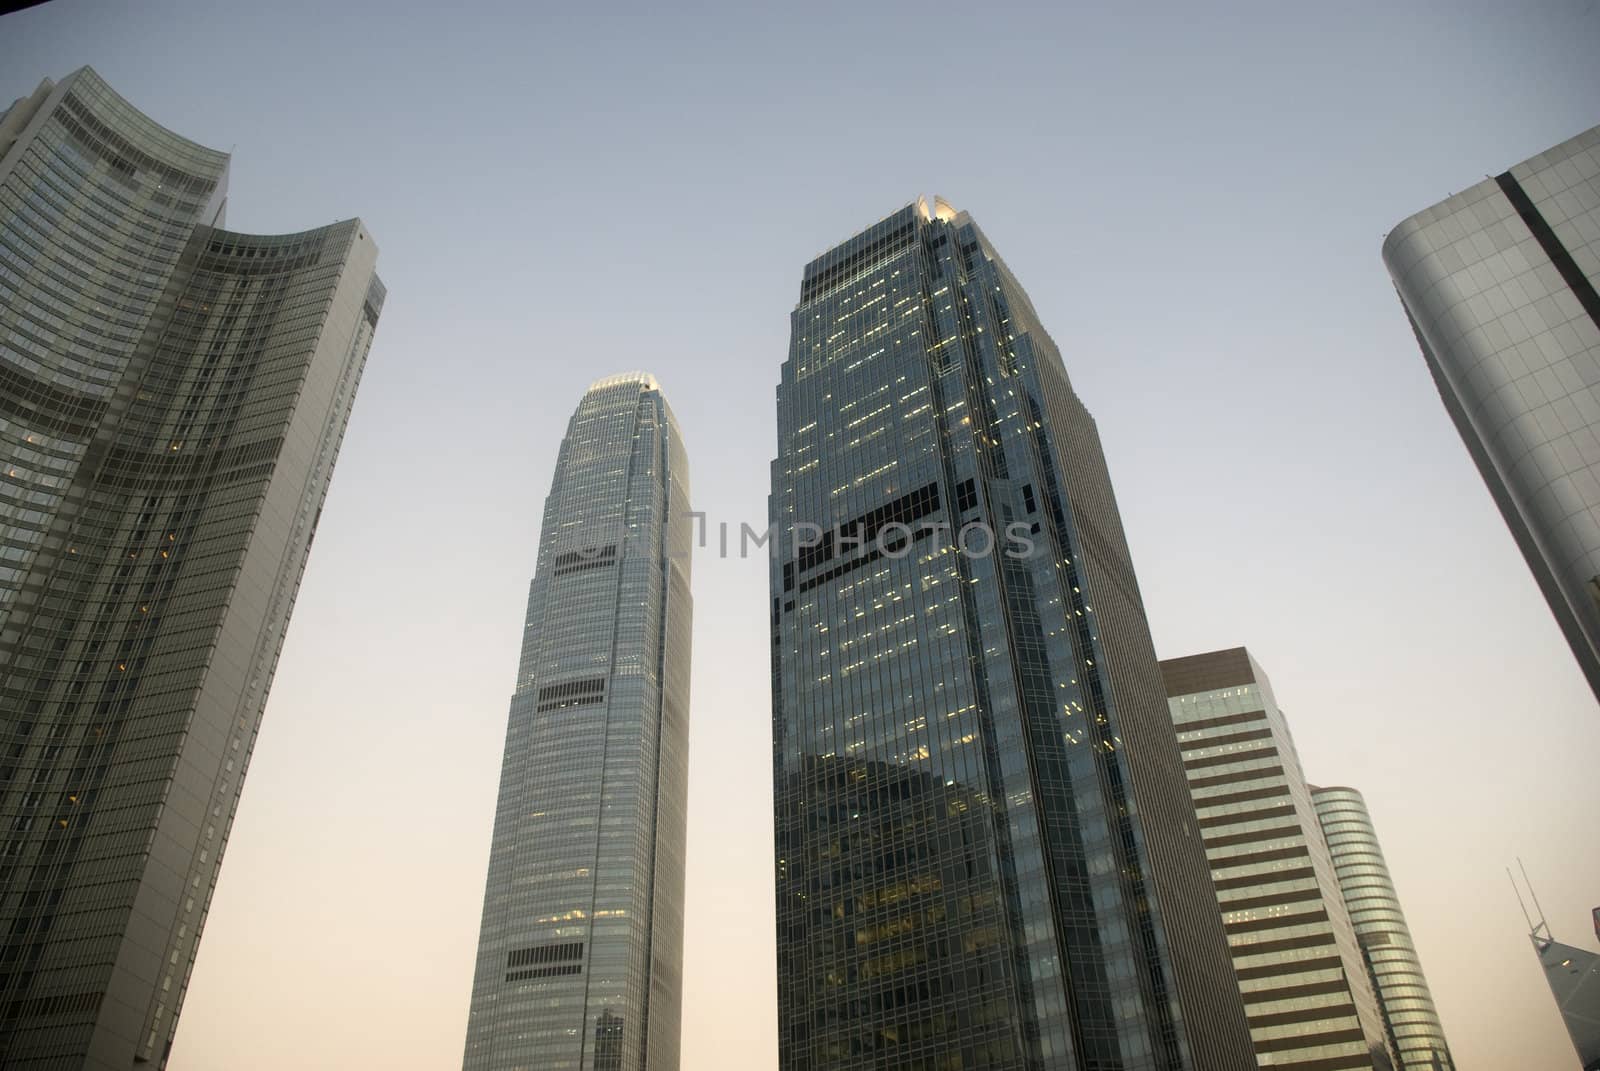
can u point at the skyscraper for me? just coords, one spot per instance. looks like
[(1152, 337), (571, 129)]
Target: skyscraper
[(1300, 971), (581, 947), (1380, 927), (1574, 977), (172, 399), (986, 852), (1499, 283)]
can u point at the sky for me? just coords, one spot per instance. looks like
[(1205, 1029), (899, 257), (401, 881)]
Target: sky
[(1195, 201)]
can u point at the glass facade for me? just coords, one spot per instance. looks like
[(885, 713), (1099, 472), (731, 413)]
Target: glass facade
[(172, 400), (1574, 977), (986, 852), (1299, 966), (1499, 282), (581, 947), (1380, 926)]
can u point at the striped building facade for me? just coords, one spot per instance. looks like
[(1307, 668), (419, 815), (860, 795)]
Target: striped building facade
[(1380, 927), (1306, 990)]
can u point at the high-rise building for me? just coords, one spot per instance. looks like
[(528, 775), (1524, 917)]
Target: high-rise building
[(1499, 283), (1380, 927), (172, 399), (986, 852), (1299, 967), (581, 948), (1574, 977)]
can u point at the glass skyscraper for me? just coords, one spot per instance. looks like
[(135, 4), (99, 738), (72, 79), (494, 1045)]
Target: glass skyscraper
[(1380, 926), (987, 855), (1574, 977), (1499, 282), (1304, 982), (172, 399), (581, 947)]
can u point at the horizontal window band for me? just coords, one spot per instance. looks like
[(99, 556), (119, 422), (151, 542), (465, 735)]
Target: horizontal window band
[(1283, 810), (1308, 1041), (552, 953), (1291, 896), (1218, 722), (1232, 779), (1229, 798), (604, 555), (575, 701), (62, 1004), (582, 567), (1277, 922), (1256, 836), (1297, 992), (1251, 881), (1288, 944), (1299, 966), (851, 566), (588, 691), (544, 972), (1226, 738), (1303, 1015), (1252, 858), (863, 531), (585, 686), (61, 413), (1350, 1062), (853, 261), (1237, 756)]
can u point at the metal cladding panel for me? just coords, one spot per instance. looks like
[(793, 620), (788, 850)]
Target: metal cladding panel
[(1499, 282)]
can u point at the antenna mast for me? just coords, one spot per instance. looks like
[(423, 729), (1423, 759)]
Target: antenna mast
[(1518, 892), (1543, 925)]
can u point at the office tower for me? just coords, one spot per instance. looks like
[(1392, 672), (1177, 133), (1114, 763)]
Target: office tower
[(1305, 985), (1380, 927), (581, 947), (172, 399), (1499, 283), (1574, 977), (986, 851)]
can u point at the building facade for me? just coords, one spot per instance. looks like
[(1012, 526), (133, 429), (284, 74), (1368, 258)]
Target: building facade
[(172, 400), (581, 947), (1380, 926), (1299, 967), (1499, 282), (986, 852), (1574, 977)]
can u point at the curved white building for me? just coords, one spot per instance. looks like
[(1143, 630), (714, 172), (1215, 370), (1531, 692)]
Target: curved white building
[(172, 399), (1499, 282)]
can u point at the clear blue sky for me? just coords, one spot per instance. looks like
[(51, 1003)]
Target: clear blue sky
[(1194, 200)]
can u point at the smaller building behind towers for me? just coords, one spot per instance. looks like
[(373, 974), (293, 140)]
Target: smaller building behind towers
[(1306, 990), (1381, 931)]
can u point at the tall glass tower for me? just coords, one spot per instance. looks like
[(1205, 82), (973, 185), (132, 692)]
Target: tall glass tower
[(1305, 985), (581, 947), (172, 399), (1380, 927), (1499, 282), (987, 855)]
